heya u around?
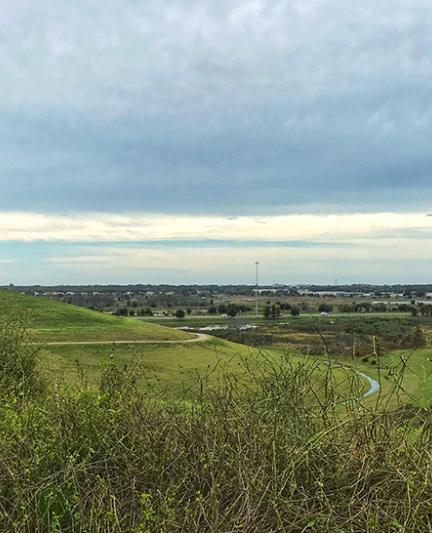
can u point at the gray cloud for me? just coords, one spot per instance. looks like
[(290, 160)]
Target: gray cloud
[(223, 107)]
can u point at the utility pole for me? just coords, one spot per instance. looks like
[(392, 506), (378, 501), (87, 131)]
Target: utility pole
[(256, 288)]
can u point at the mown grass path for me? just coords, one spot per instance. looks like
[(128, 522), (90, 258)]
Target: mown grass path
[(200, 337)]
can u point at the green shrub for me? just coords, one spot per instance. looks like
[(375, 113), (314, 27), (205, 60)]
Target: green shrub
[(19, 370), (272, 449)]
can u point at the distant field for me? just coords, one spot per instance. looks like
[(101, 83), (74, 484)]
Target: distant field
[(53, 321), (243, 319)]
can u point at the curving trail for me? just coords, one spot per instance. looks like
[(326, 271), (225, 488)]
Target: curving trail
[(374, 386), (200, 337)]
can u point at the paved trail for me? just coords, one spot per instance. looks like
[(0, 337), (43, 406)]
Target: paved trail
[(374, 386), (200, 337)]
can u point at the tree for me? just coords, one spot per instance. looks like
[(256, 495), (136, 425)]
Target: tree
[(231, 310), (275, 311), (180, 314), (212, 310), (267, 312), (121, 311), (188, 311), (295, 311), (222, 309), (144, 312)]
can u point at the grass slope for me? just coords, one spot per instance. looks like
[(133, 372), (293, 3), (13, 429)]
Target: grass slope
[(405, 375), (55, 321), (170, 369), (172, 366)]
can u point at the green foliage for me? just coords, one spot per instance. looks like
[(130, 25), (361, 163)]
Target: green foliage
[(268, 458), (325, 308), (275, 447), (250, 338), (360, 336), (232, 310), (18, 358)]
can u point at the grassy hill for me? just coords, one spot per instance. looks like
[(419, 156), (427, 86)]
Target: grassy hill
[(51, 321), (170, 365), (170, 370)]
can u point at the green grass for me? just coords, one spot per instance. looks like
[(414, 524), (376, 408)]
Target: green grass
[(411, 369), (405, 376), (279, 454), (51, 321), (169, 369), (171, 366)]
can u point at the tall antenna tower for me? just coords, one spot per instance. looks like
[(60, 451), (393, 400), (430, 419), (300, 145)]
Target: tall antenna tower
[(256, 287)]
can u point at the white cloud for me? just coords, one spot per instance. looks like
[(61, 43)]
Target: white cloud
[(95, 227), (367, 262)]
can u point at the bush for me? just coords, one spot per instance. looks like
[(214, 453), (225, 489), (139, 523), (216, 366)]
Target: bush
[(121, 311), (274, 448), (325, 308), (19, 369)]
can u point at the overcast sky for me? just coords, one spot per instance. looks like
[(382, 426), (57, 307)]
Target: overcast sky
[(164, 141)]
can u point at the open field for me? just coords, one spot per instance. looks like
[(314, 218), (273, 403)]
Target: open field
[(169, 370), (171, 367), (51, 321), (407, 369), (276, 450), (75, 347)]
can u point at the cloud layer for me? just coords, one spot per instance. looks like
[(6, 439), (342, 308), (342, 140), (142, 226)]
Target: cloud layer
[(244, 106), (184, 229), (113, 248), (179, 141)]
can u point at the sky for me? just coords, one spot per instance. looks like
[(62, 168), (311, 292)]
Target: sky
[(179, 142)]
